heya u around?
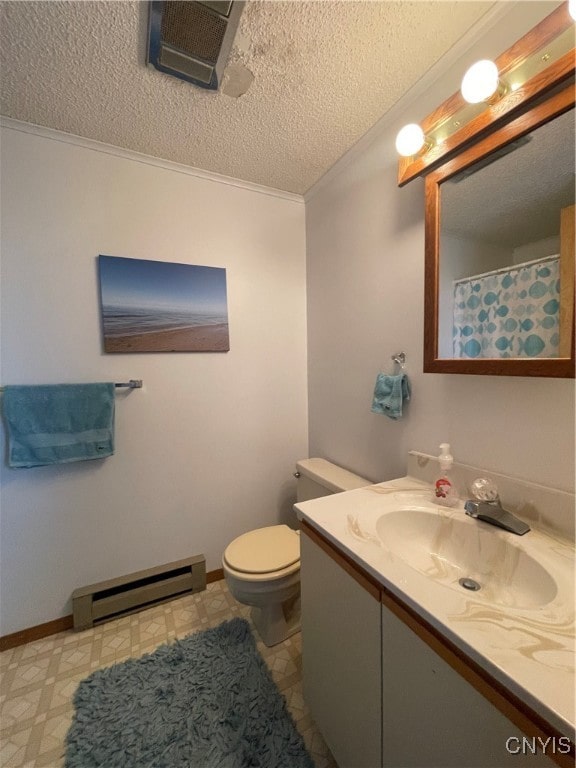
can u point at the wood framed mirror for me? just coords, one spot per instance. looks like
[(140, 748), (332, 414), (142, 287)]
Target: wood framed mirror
[(499, 216), (499, 273)]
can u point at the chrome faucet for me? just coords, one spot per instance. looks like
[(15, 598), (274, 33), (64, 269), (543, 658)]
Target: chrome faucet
[(493, 513)]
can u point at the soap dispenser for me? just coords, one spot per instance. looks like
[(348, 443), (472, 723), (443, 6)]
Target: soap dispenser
[(444, 490)]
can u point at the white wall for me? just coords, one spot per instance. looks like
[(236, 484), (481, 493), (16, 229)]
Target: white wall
[(538, 250), (365, 246), (206, 450)]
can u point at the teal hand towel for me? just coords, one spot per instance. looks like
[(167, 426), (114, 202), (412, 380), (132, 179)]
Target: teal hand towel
[(389, 394), (60, 423)]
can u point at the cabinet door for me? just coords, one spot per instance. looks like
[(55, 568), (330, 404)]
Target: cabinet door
[(341, 657), (433, 717)]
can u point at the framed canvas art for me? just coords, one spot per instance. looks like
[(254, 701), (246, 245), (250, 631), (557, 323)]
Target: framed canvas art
[(158, 306)]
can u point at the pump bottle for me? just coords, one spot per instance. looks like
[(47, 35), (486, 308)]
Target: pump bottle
[(444, 490)]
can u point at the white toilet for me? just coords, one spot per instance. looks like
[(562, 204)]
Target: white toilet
[(262, 567)]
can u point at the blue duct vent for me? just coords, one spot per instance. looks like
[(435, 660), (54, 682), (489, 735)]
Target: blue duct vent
[(192, 40)]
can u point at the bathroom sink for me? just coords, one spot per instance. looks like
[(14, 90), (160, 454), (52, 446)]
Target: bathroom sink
[(448, 550)]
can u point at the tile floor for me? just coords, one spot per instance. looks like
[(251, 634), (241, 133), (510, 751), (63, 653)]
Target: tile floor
[(38, 680)]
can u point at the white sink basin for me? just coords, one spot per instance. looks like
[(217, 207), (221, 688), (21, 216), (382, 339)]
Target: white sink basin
[(447, 549)]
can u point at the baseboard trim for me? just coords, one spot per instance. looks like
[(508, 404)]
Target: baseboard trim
[(36, 633), (64, 623), (216, 575)]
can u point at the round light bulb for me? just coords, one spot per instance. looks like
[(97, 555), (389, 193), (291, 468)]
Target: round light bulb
[(572, 8), (410, 140), (480, 82)]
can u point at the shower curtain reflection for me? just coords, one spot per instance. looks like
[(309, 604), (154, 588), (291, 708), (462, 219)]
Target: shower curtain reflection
[(508, 313)]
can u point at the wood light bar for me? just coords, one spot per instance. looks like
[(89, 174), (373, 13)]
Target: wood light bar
[(538, 62)]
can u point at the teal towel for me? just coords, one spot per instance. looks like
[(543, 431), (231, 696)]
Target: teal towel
[(389, 394), (59, 423)]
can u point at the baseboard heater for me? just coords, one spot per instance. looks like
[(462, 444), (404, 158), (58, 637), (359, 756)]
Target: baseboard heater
[(111, 599)]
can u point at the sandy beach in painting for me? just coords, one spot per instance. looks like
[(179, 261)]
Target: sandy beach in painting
[(200, 338)]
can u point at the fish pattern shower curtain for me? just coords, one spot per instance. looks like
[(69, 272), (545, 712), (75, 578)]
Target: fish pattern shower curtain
[(509, 313)]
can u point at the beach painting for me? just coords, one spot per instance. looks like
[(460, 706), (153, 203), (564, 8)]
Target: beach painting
[(158, 306)]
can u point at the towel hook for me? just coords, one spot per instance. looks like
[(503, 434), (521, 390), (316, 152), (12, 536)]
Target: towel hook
[(400, 359)]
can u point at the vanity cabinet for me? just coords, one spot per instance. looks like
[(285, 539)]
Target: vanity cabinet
[(341, 655), (432, 716), (388, 691)]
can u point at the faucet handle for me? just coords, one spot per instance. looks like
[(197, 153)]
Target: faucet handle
[(485, 490), (471, 507)]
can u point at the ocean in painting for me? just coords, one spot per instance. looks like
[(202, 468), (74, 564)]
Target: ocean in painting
[(134, 321)]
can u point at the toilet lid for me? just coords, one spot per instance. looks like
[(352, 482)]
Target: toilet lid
[(264, 550)]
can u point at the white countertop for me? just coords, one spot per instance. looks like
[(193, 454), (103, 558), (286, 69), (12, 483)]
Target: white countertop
[(528, 647)]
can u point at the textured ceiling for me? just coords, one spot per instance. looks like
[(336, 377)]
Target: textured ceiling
[(516, 199), (324, 73)]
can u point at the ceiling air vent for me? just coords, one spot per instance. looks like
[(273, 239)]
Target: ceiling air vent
[(192, 40)]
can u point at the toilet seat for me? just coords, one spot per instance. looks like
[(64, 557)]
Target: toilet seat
[(264, 551)]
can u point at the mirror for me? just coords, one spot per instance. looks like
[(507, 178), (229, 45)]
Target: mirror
[(500, 250)]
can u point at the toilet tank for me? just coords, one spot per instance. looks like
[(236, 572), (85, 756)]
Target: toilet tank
[(318, 477)]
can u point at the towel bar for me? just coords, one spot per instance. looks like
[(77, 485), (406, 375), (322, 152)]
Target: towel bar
[(132, 384)]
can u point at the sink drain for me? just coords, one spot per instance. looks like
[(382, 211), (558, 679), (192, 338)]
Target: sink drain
[(470, 584)]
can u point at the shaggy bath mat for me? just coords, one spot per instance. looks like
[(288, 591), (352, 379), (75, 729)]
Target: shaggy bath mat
[(207, 701)]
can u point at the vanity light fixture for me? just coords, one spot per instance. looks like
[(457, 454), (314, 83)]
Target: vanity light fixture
[(544, 57), (411, 140), (481, 82)]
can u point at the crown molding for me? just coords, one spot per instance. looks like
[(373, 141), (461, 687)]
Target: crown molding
[(53, 134)]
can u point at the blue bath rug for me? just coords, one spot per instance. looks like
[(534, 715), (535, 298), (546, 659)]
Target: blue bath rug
[(207, 701)]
